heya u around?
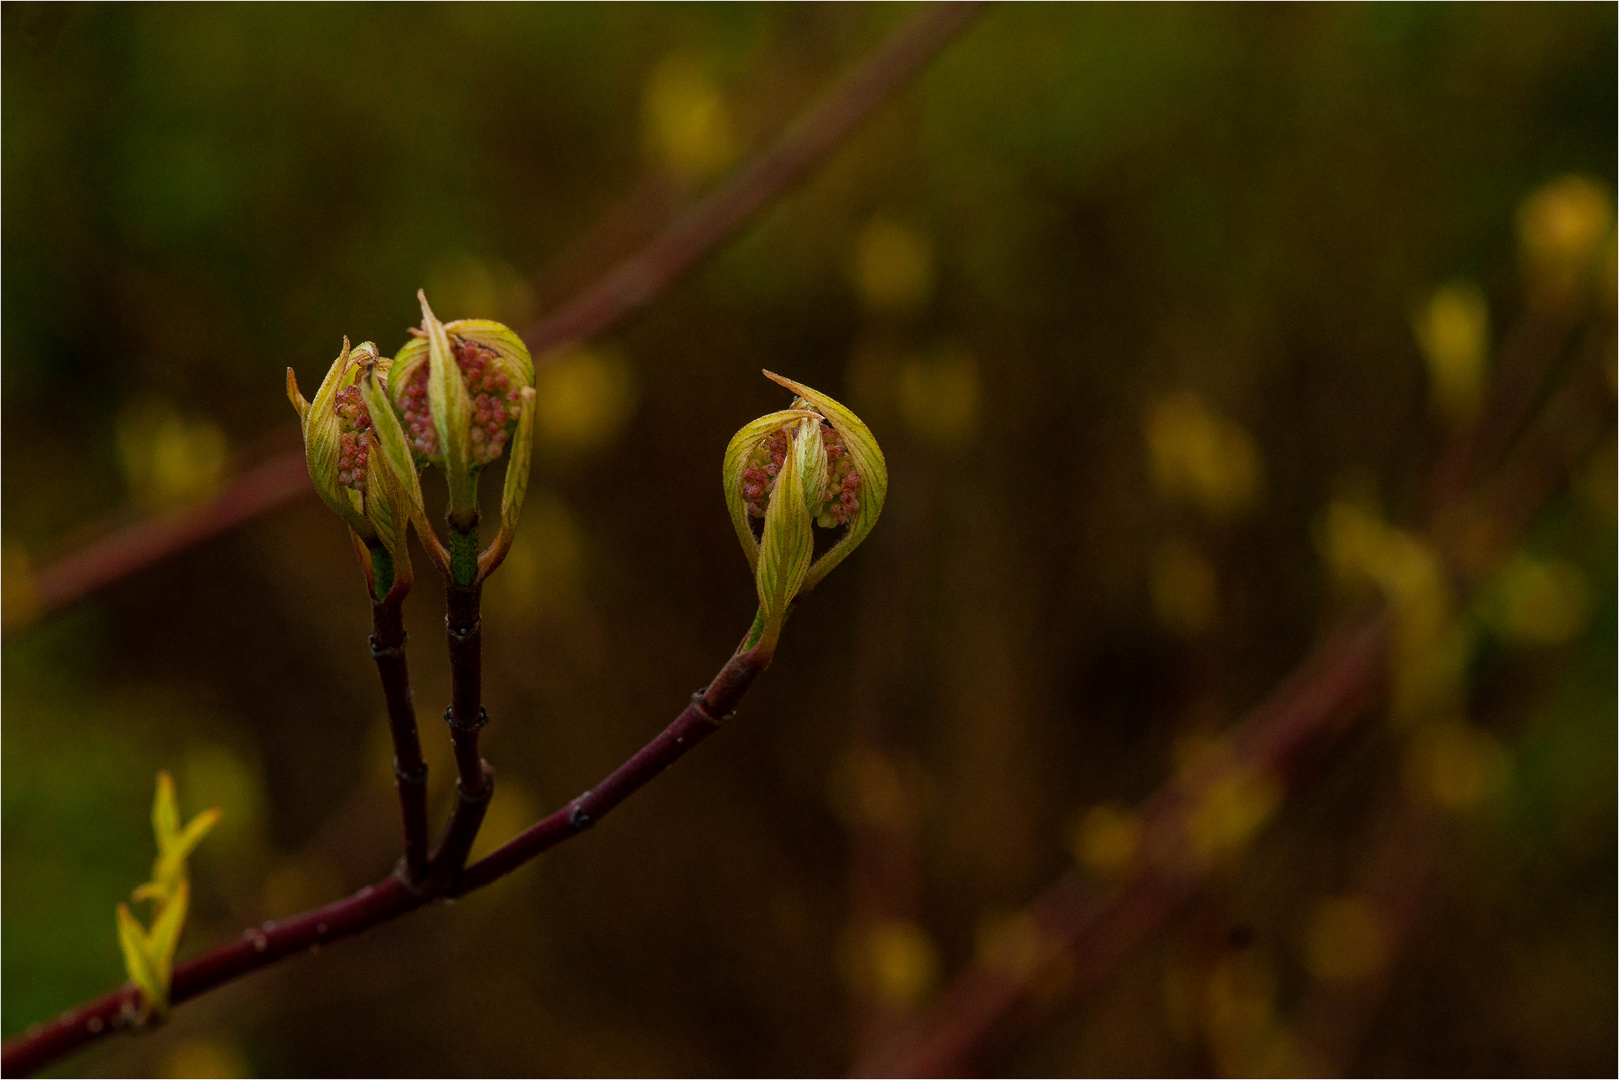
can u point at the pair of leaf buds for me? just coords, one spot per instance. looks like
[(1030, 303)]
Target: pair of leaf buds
[(459, 393), (452, 397)]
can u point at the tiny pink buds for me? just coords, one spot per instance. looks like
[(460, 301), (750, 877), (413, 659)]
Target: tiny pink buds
[(815, 463), (456, 396)]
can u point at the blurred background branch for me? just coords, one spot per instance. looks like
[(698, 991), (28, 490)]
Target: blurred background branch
[(1075, 933)]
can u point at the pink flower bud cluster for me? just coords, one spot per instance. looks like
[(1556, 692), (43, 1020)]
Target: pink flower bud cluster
[(494, 403), (764, 465), (839, 502), (418, 421), (842, 481), (354, 443), (494, 399)]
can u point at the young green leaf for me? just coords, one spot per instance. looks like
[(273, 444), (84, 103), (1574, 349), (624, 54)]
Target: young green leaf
[(451, 409), (787, 542), (390, 435), (332, 439), (164, 940), (741, 446), (165, 812), (516, 488), (501, 340), (197, 828), (138, 961)]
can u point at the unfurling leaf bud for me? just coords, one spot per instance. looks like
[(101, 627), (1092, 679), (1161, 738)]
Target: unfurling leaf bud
[(815, 463), (360, 463), (459, 391)]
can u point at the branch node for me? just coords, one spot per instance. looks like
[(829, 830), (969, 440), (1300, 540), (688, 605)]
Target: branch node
[(577, 816), (401, 874), (415, 776), (482, 796), (697, 703), (483, 718), (378, 652)]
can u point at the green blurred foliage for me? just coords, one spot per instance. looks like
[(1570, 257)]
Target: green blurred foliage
[(1077, 215)]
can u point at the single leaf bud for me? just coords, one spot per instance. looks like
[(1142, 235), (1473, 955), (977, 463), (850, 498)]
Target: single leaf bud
[(458, 390), (359, 463), (813, 464)]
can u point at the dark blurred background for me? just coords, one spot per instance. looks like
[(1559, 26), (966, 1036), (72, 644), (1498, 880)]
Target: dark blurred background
[(1129, 295)]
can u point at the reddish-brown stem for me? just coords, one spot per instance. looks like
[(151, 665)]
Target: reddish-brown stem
[(256, 948), (464, 629), (1409, 832), (629, 285), (1394, 879), (1077, 931), (389, 898), (708, 709), (1521, 368), (410, 771), (475, 778), (465, 821)]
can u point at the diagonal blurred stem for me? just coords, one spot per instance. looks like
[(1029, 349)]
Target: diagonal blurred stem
[(1522, 365), (815, 133), (1077, 931), (1393, 881), (1407, 833), (629, 285), (136, 546), (410, 771)]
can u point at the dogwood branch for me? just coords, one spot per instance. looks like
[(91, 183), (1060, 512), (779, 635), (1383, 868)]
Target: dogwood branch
[(410, 770)]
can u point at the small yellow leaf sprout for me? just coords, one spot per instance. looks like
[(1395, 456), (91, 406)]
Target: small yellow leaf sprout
[(149, 954)]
